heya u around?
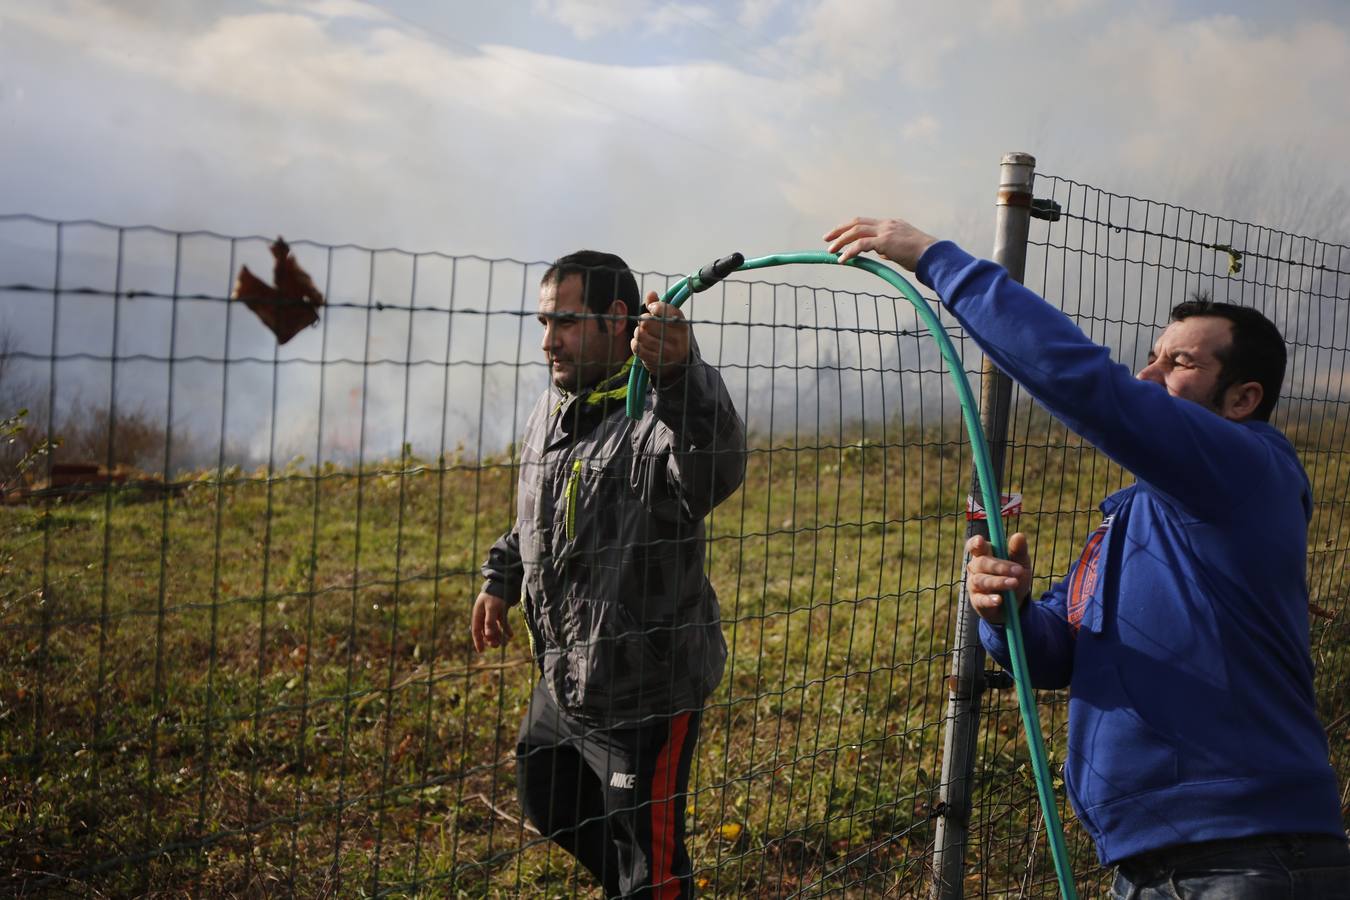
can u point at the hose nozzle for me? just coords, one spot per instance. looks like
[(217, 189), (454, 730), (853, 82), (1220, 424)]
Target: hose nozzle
[(714, 272)]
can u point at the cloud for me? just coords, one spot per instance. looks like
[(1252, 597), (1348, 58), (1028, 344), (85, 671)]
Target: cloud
[(923, 128), (671, 16), (590, 18), (1018, 14), (868, 38), (289, 103), (304, 90), (756, 12), (279, 61), (918, 42), (1183, 99), (334, 9)]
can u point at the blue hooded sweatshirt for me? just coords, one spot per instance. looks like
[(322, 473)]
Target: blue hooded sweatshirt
[(1182, 630)]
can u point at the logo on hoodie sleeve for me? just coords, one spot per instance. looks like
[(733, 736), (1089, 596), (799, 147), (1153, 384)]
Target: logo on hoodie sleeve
[(1083, 582)]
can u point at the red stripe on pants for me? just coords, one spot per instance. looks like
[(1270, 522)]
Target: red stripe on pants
[(664, 883)]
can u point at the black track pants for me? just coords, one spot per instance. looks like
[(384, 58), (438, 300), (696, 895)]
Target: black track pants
[(612, 797)]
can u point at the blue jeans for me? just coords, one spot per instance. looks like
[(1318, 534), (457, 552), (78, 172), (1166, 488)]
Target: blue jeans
[(1285, 866)]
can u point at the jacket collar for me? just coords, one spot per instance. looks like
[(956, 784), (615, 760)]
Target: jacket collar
[(611, 389)]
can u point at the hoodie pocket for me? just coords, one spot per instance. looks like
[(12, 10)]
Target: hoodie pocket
[(1128, 756)]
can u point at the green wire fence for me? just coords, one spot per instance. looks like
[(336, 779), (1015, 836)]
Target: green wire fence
[(234, 655)]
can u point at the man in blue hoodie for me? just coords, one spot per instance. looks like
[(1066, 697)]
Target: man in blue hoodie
[(1196, 760)]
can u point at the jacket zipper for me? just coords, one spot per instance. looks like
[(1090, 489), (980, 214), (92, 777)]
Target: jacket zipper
[(573, 484)]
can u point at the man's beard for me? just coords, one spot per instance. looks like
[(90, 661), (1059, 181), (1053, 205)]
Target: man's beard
[(566, 379), (578, 378)]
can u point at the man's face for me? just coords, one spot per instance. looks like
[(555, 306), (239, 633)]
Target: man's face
[(1185, 360), (580, 350)]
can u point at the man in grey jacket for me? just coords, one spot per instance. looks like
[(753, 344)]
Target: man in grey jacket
[(606, 561)]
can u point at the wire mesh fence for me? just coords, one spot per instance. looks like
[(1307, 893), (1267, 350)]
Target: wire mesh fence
[(235, 599)]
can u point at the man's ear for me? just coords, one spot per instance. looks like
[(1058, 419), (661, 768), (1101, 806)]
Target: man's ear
[(1241, 400), (618, 311)]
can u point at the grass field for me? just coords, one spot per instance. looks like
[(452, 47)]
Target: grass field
[(265, 684)]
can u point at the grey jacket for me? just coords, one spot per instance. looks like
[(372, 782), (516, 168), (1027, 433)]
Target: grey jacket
[(607, 552)]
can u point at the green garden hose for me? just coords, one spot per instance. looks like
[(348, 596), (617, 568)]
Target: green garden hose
[(639, 378)]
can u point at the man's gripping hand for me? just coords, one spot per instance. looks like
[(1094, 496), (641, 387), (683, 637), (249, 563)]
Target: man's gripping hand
[(661, 339), (987, 576), (893, 239), (490, 628)]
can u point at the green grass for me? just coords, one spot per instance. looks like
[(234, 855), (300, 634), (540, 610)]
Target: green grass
[(266, 685)]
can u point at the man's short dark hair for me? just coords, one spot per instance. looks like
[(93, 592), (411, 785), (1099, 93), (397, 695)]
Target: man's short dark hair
[(1257, 352), (605, 278)]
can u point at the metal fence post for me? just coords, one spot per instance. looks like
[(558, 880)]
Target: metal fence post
[(966, 683)]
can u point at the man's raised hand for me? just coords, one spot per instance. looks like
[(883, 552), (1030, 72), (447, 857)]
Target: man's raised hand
[(661, 339), (893, 239)]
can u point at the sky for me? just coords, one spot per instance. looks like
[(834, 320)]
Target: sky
[(669, 132)]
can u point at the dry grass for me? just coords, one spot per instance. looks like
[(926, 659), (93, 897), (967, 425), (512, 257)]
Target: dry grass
[(265, 686)]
